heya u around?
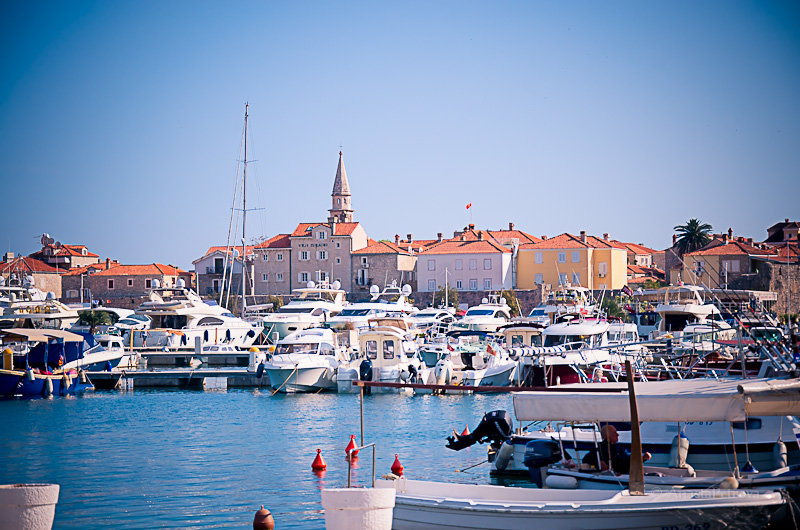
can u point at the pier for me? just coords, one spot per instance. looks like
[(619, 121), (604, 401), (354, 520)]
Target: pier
[(201, 378)]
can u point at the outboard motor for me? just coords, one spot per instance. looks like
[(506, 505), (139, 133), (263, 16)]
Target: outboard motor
[(538, 455), (495, 427), (365, 374)]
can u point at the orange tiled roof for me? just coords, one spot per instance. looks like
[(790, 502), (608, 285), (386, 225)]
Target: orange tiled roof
[(223, 249), (471, 246), (566, 240), (634, 248), (27, 264), (381, 247), (342, 229), (279, 241), (89, 269), (733, 248), (142, 270)]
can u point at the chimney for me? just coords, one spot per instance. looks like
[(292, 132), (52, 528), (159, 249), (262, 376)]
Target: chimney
[(397, 239), (463, 237), (749, 240), (730, 233), (583, 236), (605, 236), (674, 239), (8, 256), (480, 235), (108, 263), (786, 220), (511, 226), (409, 236), (471, 226), (544, 238), (439, 237)]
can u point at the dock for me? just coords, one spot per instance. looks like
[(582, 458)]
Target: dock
[(201, 379)]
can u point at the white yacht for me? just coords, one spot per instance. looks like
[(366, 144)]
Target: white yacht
[(178, 315), (391, 302), (310, 307), (30, 308), (475, 359), (489, 315), (564, 300), (307, 361), (109, 354), (433, 320), (684, 306)]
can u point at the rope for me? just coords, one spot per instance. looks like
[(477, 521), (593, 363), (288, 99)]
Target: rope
[(286, 381), (470, 467)]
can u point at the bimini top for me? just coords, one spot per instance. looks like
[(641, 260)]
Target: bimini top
[(679, 400), (40, 335)]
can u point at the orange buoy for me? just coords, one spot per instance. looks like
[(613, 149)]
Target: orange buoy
[(397, 467), (263, 520), (319, 462), (465, 432), (352, 445)]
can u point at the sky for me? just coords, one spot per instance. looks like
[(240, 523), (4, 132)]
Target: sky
[(121, 122)]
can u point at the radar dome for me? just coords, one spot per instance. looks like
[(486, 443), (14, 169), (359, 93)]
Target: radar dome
[(50, 295), (374, 289), (484, 300), (310, 285), (181, 283), (406, 289), (337, 284), (156, 284)]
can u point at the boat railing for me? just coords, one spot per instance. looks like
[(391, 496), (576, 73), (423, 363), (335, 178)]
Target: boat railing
[(350, 457)]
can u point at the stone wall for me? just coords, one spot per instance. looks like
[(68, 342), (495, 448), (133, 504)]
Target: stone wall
[(783, 279)]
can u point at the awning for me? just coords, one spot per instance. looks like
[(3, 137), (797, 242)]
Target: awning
[(677, 400), (40, 335)]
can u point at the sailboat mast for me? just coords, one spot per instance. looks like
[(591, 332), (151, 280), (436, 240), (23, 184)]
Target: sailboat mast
[(244, 210)]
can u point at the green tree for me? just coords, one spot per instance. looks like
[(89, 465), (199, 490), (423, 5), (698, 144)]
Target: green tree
[(513, 302), (94, 319), (452, 297), (613, 308), (692, 236), (276, 301), (653, 284)]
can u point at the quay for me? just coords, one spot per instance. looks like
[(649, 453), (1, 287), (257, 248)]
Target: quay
[(201, 378)]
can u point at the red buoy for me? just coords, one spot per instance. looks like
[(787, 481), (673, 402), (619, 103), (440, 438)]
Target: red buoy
[(351, 445), (397, 467), (319, 462), (465, 432)]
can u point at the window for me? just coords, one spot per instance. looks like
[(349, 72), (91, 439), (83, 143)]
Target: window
[(576, 278), (110, 284), (487, 264), (459, 284), (303, 255), (266, 257), (72, 293), (537, 257), (215, 284), (321, 235), (459, 264), (279, 277), (487, 284), (538, 278), (302, 277), (388, 349), (562, 257), (431, 285), (210, 321), (699, 267), (576, 256), (371, 348), (361, 279), (602, 269), (562, 278), (431, 265), (338, 244), (364, 260), (338, 260), (264, 277), (279, 257), (473, 284), (130, 282), (218, 264), (730, 265), (322, 254), (473, 264)]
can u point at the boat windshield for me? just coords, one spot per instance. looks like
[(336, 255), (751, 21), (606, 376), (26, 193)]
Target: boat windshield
[(573, 342), (770, 334), (480, 312), (537, 312), (288, 309), (282, 349), (355, 312)]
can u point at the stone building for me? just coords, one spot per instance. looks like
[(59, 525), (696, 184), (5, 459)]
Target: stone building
[(127, 285), (17, 270), (382, 262)]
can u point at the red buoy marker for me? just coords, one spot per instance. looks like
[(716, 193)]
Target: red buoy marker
[(350, 446), (319, 462), (397, 467), (465, 432)]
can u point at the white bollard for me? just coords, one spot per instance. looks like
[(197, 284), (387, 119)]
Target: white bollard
[(28, 506), (363, 508)]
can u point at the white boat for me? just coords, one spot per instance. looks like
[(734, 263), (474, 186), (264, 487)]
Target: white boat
[(131, 322), (562, 301), (391, 302), (109, 354), (311, 307), (487, 316), (487, 365), (423, 504), (307, 361), (685, 305), (29, 307), (432, 320), (113, 315), (178, 316)]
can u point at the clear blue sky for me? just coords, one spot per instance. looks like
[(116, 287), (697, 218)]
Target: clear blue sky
[(120, 122)]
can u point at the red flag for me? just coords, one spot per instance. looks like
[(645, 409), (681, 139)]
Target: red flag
[(450, 347), (469, 206), (490, 350)]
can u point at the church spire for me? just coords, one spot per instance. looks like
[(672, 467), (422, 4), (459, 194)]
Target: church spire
[(341, 210)]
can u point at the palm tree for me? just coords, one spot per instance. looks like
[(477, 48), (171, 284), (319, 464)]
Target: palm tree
[(94, 319), (692, 236)]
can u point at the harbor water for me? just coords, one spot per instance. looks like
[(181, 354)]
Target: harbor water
[(193, 459)]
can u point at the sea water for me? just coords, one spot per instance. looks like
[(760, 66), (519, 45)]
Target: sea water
[(193, 459)]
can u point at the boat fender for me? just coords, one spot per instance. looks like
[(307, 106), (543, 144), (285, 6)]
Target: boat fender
[(729, 483), (65, 383), (503, 456), (679, 451), (48, 387), (29, 374), (260, 370), (560, 482), (82, 375), (780, 456)]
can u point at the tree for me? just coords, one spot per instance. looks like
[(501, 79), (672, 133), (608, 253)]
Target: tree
[(653, 284), (612, 308), (452, 297), (513, 302), (94, 319), (692, 236)]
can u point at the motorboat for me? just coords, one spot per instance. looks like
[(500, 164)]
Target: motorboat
[(310, 307), (179, 316), (624, 336), (490, 314), (467, 365), (133, 321), (685, 305), (30, 308), (391, 302), (112, 316), (432, 320), (108, 354), (426, 504), (307, 361), (565, 300)]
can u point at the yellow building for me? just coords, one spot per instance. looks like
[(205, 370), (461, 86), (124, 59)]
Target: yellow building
[(585, 261)]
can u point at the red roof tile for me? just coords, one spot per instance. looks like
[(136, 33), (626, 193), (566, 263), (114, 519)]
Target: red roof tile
[(279, 241), (382, 247), (732, 248), (27, 264), (342, 229), (568, 241), (456, 246), (142, 270)]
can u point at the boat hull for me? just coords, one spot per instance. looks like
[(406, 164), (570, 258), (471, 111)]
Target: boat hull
[(291, 380), (14, 383)]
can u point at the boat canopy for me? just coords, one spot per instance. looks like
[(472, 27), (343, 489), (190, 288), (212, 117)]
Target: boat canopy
[(679, 400), (40, 335)]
